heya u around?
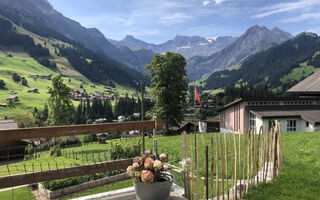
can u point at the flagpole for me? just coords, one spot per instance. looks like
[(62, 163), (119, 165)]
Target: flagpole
[(195, 122)]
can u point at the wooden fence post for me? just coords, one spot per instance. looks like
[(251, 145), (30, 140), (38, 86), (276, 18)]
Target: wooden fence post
[(235, 165), (226, 158), (217, 167), (222, 166), (206, 173), (212, 165)]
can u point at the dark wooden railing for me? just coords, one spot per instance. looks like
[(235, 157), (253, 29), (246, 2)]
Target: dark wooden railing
[(7, 136)]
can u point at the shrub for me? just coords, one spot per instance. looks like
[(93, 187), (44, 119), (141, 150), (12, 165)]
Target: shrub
[(30, 150), (67, 182), (24, 81), (16, 77), (55, 151), (2, 84), (119, 152)]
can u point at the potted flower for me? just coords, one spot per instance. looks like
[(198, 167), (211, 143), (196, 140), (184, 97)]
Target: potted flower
[(150, 177)]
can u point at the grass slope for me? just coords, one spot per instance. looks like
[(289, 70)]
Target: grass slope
[(24, 65)]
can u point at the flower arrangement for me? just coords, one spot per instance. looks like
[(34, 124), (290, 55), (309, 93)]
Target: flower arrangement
[(148, 170)]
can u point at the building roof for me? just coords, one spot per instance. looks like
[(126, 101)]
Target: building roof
[(310, 85), (8, 124), (308, 113), (263, 99)]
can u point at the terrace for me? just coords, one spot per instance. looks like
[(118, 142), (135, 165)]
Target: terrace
[(99, 171)]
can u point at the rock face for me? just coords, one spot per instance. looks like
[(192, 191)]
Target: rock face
[(255, 39), (40, 17)]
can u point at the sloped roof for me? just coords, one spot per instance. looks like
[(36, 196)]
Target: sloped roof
[(308, 113), (310, 85)]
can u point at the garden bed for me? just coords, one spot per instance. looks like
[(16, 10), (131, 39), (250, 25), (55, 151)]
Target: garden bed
[(80, 187)]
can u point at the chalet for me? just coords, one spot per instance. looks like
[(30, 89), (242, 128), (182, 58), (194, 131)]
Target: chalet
[(137, 115), (188, 112), (3, 105), (35, 76), (14, 149), (100, 121), (33, 90), (12, 98), (121, 119), (299, 114), (185, 126)]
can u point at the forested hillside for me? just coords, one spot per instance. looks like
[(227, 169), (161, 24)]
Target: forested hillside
[(96, 67), (288, 62)]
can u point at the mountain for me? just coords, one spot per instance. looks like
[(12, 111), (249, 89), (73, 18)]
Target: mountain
[(287, 63), (34, 58), (53, 53), (39, 17), (188, 46), (134, 43), (255, 39)]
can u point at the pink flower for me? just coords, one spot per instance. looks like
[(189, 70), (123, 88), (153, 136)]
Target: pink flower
[(148, 163), (147, 176), (165, 167), (147, 152), (163, 157), (130, 171), (135, 165), (157, 165)]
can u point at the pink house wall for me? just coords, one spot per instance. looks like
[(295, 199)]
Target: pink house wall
[(235, 118)]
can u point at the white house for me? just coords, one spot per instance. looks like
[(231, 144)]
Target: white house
[(298, 114)]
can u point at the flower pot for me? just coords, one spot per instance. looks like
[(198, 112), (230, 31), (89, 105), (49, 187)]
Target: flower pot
[(156, 190)]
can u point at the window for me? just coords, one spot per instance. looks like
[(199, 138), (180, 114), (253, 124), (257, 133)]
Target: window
[(307, 124), (291, 125), (252, 121)]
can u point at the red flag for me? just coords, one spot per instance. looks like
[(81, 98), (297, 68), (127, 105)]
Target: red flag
[(196, 95)]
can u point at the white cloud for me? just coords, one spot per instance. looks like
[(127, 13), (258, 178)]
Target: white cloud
[(303, 17), (205, 3), (219, 1), (286, 7), (175, 18)]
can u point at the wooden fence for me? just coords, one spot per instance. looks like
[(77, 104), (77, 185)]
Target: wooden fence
[(232, 163), (8, 136)]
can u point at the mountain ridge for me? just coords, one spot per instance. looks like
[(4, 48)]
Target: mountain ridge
[(40, 17), (255, 39), (276, 66)]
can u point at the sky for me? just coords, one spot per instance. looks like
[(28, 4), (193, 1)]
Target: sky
[(157, 21)]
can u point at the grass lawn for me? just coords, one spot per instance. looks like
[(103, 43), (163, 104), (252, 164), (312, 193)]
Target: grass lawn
[(23, 193), (300, 178)]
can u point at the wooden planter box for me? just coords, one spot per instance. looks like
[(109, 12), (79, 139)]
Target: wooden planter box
[(81, 187)]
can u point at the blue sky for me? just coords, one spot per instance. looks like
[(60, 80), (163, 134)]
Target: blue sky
[(160, 20)]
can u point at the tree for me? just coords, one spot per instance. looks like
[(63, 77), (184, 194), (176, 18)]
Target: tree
[(60, 105), (2, 84), (24, 81), (16, 77), (168, 87)]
